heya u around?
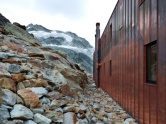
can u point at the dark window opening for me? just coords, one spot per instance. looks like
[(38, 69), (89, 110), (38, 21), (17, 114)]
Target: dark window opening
[(104, 68), (110, 32), (105, 40), (110, 68), (151, 62)]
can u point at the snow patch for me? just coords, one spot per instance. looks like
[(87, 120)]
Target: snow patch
[(45, 35)]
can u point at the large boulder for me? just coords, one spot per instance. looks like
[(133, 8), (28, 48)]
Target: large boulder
[(30, 98), (4, 114), (13, 68), (17, 78), (8, 83), (54, 116), (40, 91), (54, 95), (21, 112), (9, 98), (67, 91), (57, 103), (40, 119), (13, 46), (76, 79), (69, 118), (30, 122), (4, 73), (17, 31)]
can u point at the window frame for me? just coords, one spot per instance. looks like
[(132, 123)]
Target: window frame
[(104, 68), (110, 68), (148, 46), (105, 38)]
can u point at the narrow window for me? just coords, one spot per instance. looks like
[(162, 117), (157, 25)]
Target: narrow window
[(104, 68), (110, 68), (151, 62), (121, 17), (110, 32)]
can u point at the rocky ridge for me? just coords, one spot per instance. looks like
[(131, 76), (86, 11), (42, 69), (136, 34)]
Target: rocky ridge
[(38, 85), (77, 48)]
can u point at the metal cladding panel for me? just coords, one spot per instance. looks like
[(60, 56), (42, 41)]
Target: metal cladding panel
[(153, 105), (140, 59), (161, 62), (136, 63), (146, 104), (153, 19), (141, 24)]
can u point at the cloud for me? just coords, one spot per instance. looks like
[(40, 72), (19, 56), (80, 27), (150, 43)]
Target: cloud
[(73, 9), (78, 16)]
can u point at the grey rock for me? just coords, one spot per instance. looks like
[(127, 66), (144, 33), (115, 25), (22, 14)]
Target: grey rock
[(40, 119), (69, 109), (30, 122), (3, 55), (21, 112), (83, 107), (4, 114), (40, 91), (96, 107), (54, 116), (18, 121), (20, 86), (58, 110), (9, 98), (45, 100), (82, 121), (93, 120), (4, 73), (69, 118), (7, 122), (4, 48), (5, 106), (38, 110), (54, 95), (129, 120), (19, 100), (13, 68), (57, 103), (105, 120)]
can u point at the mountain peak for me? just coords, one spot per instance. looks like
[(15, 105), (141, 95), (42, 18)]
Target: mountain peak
[(3, 20), (77, 48), (36, 27)]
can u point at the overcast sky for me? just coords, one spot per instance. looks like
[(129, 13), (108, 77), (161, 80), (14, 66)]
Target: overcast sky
[(78, 16)]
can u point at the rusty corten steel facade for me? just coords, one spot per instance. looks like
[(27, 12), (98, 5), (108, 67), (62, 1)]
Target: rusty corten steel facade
[(134, 25)]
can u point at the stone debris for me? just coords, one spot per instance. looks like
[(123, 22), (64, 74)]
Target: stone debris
[(38, 85), (21, 112), (40, 119)]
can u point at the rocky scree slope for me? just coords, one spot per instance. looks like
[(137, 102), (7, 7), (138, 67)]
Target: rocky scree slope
[(38, 85), (78, 49)]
